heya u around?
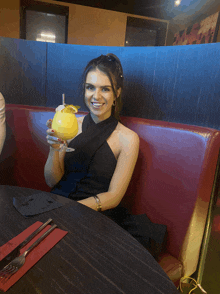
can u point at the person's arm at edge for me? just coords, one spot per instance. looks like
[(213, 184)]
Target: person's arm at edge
[(2, 122)]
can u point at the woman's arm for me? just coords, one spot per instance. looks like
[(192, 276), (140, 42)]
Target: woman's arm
[(120, 180), (54, 167), (2, 122)]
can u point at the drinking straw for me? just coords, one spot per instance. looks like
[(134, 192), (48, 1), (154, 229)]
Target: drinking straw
[(63, 99)]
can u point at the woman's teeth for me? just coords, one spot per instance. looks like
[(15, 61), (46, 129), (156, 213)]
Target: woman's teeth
[(96, 104)]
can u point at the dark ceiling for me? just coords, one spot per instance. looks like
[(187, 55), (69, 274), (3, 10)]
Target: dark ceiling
[(188, 11), (161, 9)]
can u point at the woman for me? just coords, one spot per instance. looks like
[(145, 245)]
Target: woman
[(98, 172), (2, 122), (101, 179)]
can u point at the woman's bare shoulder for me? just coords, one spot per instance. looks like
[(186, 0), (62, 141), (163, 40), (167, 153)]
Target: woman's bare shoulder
[(127, 136), (125, 131)]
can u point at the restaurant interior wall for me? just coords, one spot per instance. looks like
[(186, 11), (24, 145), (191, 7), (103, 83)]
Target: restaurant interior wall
[(175, 83), (86, 25), (10, 19), (99, 18), (80, 33)]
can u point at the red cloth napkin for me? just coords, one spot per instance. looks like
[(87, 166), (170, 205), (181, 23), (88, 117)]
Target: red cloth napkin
[(36, 254)]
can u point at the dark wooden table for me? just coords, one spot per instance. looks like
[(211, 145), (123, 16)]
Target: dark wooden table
[(96, 256)]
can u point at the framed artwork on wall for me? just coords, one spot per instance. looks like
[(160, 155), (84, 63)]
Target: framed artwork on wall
[(203, 32)]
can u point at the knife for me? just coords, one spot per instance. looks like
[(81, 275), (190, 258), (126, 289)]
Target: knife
[(15, 252)]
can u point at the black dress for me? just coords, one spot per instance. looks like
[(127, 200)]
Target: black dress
[(88, 172)]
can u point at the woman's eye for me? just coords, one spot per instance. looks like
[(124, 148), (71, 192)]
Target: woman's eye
[(105, 89), (89, 87)]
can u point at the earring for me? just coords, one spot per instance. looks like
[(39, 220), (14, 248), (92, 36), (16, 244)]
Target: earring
[(114, 103)]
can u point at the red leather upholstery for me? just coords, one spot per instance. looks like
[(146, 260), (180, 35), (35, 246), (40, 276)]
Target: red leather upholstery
[(175, 169), (23, 157), (176, 164)]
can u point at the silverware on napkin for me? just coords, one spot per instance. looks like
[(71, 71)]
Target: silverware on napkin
[(14, 253), (19, 261)]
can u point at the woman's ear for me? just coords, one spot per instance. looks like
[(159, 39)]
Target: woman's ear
[(118, 92)]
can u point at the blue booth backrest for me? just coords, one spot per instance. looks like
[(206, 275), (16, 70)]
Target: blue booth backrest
[(174, 83)]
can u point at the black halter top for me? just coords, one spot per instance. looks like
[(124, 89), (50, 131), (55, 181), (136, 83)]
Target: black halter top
[(88, 169)]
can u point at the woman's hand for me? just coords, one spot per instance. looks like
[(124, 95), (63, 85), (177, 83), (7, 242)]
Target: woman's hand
[(54, 142)]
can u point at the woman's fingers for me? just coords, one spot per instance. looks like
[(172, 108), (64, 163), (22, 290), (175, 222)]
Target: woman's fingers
[(54, 140), (50, 132), (51, 139), (49, 123)]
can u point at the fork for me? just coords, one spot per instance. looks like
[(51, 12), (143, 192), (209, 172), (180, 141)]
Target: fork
[(16, 252), (19, 261)]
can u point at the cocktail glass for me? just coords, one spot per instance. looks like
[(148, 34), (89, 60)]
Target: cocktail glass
[(65, 123)]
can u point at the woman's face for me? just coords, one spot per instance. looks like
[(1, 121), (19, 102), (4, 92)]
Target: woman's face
[(99, 95)]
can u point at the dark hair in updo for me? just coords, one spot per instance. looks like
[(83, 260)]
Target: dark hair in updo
[(110, 65)]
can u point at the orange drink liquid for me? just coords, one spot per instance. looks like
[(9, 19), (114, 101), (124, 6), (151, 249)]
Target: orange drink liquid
[(65, 123)]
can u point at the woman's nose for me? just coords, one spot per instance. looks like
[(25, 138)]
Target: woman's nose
[(97, 94)]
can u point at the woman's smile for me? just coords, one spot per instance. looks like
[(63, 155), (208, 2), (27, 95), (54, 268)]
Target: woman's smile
[(97, 105)]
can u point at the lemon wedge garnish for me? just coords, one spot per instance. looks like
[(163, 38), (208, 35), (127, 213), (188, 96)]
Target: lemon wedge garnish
[(70, 108)]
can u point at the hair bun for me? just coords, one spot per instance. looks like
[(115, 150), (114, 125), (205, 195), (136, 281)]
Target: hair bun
[(113, 57)]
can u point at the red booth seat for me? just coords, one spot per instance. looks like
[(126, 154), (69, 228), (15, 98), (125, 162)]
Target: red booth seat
[(173, 181)]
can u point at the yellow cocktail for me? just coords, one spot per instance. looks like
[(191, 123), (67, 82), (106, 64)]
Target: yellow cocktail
[(65, 123)]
